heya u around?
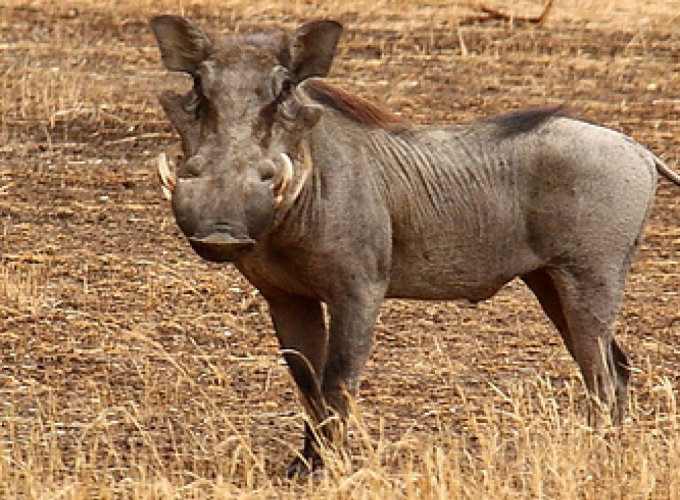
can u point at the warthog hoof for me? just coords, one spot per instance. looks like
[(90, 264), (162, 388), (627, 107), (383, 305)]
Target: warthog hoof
[(303, 468)]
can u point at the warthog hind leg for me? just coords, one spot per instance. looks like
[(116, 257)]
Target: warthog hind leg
[(583, 306)]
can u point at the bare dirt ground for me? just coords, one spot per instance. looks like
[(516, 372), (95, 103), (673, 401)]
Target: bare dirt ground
[(110, 325)]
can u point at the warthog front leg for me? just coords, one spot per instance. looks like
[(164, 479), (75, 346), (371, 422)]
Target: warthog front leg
[(326, 369), (350, 340), (352, 323), (301, 331)]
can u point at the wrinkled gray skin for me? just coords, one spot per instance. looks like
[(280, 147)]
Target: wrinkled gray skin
[(423, 213)]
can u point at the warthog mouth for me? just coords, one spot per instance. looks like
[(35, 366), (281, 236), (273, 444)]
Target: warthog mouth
[(221, 246)]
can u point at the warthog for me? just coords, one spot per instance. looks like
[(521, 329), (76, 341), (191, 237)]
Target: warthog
[(320, 197)]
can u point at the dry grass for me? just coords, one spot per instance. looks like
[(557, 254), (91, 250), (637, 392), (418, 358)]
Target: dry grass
[(132, 370), (523, 445)]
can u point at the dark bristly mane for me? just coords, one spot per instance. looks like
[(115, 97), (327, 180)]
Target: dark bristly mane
[(363, 111), (525, 120), (354, 107)]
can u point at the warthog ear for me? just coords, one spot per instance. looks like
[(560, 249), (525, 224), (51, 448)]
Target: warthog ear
[(312, 48), (182, 43)]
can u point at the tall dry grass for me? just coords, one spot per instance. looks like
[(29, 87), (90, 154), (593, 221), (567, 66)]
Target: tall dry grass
[(524, 446)]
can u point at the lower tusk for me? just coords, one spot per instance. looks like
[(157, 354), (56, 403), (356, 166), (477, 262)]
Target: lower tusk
[(284, 180), (167, 178), (304, 174), (167, 194)]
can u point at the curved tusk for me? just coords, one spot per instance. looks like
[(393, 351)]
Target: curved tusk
[(166, 176), (304, 175), (284, 180)]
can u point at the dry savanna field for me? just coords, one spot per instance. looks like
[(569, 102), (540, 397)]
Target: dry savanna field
[(132, 369)]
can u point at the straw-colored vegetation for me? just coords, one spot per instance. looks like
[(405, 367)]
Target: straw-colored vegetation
[(131, 369)]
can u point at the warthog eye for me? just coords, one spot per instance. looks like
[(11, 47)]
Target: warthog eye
[(282, 86), (286, 88), (195, 100), (284, 103)]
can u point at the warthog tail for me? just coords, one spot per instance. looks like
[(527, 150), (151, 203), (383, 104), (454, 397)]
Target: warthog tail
[(666, 171)]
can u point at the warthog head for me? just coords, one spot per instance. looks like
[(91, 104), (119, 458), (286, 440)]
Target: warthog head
[(240, 125)]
